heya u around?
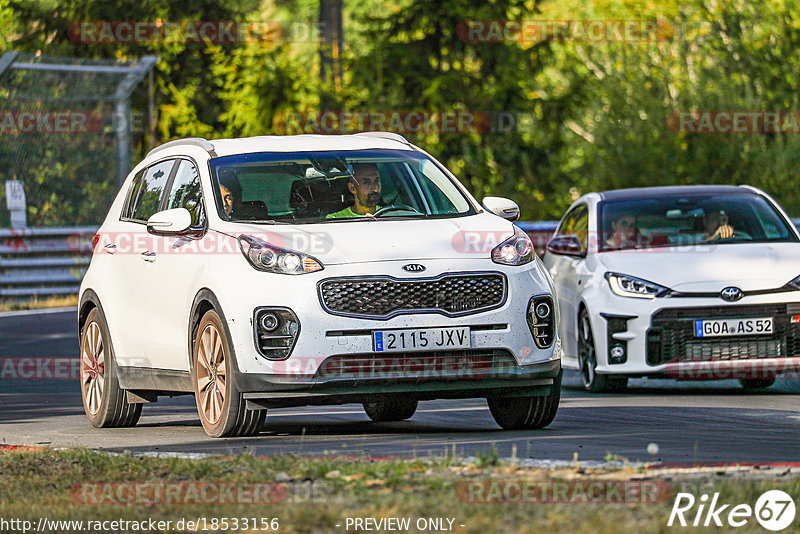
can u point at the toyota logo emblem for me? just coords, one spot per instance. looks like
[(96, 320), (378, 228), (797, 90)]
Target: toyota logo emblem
[(731, 294), (414, 268)]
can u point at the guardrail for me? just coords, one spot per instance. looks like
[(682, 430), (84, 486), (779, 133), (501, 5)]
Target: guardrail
[(52, 261), (44, 261)]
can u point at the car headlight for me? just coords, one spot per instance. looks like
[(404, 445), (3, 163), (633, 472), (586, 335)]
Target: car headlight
[(795, 283), (272, 259), (516, 250), (629, 286)]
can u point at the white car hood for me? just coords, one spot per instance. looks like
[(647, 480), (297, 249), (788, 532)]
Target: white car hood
[(386, 239), (710, 268)]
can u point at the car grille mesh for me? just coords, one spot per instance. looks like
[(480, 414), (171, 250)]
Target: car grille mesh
[(462, 364), (671, 336), (384, 297)]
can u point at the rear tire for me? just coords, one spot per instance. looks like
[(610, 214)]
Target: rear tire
[(520, 413), (756, 383), (220, 404), (587, 361), (105, 403), (386, 409)]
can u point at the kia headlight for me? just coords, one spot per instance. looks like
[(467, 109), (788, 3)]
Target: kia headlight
[(265, 257), (516, 250), (629, 286)]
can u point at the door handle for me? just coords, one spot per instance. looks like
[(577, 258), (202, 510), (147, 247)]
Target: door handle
[(110, 248), (149, 256)]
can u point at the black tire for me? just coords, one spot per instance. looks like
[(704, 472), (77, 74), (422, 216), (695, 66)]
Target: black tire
[(587, 361), (520, 413), (220, 404), (105, 403), (386, 409), (756, 383)]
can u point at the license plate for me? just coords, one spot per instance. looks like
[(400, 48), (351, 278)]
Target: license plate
[(421, 339), (733, 327)]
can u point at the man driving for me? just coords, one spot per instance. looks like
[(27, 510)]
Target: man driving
[(717, 225), (365, 185)]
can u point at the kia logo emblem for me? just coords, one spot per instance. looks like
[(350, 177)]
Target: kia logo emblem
[(731, 294), (414, 268)]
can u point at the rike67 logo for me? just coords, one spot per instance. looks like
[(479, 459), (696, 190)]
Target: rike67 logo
[(774, 510)]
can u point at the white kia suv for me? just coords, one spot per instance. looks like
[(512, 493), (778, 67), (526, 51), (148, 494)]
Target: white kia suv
[(273, 272)]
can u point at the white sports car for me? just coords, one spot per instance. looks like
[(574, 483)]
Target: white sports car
[(693, 283)]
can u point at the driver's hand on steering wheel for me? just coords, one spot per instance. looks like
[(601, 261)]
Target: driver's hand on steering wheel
[(723, 232)]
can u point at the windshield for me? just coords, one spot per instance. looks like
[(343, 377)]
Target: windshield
[(313, 187), (681, 220)]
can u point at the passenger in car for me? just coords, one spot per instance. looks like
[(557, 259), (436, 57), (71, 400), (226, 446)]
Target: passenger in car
[(230, 189), (624, 232), (717, 226), (365, 185)]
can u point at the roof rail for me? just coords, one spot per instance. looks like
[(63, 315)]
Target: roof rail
[(191, 141), (386, 135)]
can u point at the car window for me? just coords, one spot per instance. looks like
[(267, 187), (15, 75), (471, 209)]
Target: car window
[(186, 191), (576, 223), (689, 219), (133, 195), (313, 187), (148, 197)]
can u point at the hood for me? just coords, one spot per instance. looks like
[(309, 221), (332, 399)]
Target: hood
[(385, 239), (710, 268)]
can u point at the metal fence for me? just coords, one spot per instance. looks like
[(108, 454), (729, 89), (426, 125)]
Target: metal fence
[(44, 261), (52, 261)]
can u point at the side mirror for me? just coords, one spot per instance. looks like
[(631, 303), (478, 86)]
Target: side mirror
[(170, 222), (566, 245), (502, 207)]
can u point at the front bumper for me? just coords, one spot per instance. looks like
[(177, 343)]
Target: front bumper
[(661, 342), (269, 391), (323, 335)]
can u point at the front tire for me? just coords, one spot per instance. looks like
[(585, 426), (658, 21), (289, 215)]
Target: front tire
[(756, 383), (587, 361), (105, 403), (386, 409), (520, 413), (220, 404)]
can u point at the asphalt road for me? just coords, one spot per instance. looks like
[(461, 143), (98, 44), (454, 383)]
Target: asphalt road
[(690, 422)]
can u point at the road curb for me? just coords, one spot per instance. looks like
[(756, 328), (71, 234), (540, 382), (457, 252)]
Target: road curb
[(43, 311)]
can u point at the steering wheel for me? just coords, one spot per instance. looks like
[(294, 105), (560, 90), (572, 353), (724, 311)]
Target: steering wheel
[(737, 234), (398, 207)]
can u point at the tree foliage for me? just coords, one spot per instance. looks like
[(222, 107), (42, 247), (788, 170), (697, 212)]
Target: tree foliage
[(587, 115)]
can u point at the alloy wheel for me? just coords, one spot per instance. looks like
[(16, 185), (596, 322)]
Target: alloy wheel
[(93, 367)]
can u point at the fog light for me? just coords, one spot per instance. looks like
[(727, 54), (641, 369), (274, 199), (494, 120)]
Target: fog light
[(269, 322), (276, 331), (542, 310), (541, 321), (617, 353)]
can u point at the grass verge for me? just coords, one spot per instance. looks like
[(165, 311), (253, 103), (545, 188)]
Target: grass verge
[(317, 494), (37, 303)]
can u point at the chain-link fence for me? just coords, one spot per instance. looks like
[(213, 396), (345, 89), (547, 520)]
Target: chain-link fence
[(66, 130)]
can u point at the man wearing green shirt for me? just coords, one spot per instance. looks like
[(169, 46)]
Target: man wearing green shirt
[(365, 185)]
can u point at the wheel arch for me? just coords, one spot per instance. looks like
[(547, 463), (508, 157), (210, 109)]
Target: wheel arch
[(204, 301)]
